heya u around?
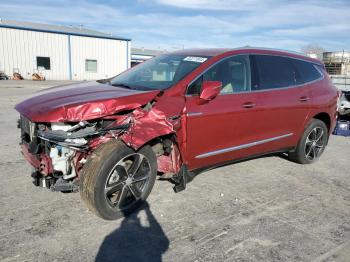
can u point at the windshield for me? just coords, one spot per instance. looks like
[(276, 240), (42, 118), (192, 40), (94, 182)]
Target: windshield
[(159, 73)]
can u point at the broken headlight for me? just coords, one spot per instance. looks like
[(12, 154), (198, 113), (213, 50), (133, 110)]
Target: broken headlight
[(75, 136)]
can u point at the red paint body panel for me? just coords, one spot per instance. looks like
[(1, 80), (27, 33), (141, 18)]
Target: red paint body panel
[(41, 162), (199, 127), (323, 98), (222, 123), (31, 159), (83, 101), (171, 163), (284, 113), (146, 125)]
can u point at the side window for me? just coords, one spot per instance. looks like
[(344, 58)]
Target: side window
[(91, 65), (233, 72), (307, 72), (273, 72), (43, 62)]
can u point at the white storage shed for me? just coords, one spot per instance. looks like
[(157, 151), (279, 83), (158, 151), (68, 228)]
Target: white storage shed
[(61, 52)]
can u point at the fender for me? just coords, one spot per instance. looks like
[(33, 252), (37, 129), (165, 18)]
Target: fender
[(145, 126)]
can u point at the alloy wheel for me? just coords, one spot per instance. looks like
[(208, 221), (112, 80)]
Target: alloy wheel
[(127, 181), (314, 144)]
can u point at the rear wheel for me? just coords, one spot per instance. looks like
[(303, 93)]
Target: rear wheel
[(116, 180), (312, 143)]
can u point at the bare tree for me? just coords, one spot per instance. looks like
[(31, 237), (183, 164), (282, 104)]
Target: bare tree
[(313, 50)]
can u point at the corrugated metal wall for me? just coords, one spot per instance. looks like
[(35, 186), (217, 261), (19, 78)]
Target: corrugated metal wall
[(111, 57), (19, 49)]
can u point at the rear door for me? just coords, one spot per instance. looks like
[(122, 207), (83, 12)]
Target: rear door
[(284, 100)]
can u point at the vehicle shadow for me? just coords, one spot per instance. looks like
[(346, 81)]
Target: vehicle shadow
[(133, 241)]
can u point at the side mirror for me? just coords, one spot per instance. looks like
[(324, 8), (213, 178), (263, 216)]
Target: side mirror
[(210, 89)]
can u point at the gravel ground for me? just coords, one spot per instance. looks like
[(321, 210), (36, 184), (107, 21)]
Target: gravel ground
[(267, 209)]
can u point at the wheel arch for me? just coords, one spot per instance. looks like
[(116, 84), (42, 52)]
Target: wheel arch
[(325, 118), (168, 153)]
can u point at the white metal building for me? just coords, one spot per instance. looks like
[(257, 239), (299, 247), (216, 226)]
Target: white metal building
[(338, 67), (61, 52), (139, 55)]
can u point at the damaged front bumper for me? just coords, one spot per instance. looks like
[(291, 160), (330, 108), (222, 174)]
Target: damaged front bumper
[(31, 159), (41, 162), (58, 151)]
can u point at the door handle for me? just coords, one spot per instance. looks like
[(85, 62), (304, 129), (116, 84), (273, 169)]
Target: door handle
[(304, 99), (248, 105)]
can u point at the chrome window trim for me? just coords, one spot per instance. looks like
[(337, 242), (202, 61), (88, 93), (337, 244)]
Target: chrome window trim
[(235, 148), (263, 90)]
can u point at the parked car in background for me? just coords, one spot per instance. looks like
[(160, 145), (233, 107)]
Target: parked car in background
[(337, 65), (171, 116)]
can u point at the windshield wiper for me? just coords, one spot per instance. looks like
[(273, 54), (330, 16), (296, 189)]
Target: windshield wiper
[(122, 85), (104, 81)]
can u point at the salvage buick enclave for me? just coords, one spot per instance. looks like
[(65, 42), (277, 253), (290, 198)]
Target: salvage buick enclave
[(172, 116)]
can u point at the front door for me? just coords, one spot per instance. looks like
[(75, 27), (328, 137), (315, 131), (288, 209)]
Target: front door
[(228, 126)]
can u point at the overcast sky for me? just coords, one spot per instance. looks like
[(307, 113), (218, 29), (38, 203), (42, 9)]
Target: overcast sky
[(199, 23)]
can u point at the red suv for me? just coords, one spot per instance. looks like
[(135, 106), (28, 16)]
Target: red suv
[(172, 116)]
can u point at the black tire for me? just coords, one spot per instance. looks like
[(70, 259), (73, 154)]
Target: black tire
[(309, 151), (102, 167)]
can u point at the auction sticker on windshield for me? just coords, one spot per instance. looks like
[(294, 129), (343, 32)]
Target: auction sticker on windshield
[(196, 59)]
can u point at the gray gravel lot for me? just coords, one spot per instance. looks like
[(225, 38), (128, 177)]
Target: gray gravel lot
[(267, 209)]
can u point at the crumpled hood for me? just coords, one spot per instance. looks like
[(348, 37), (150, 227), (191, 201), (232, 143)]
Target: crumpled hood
[(82, 101)]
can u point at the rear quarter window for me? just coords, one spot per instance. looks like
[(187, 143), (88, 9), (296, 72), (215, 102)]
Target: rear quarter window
[(307, 72)]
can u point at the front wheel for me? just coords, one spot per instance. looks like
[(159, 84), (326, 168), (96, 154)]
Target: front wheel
[(312, 143), (116, 180)]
